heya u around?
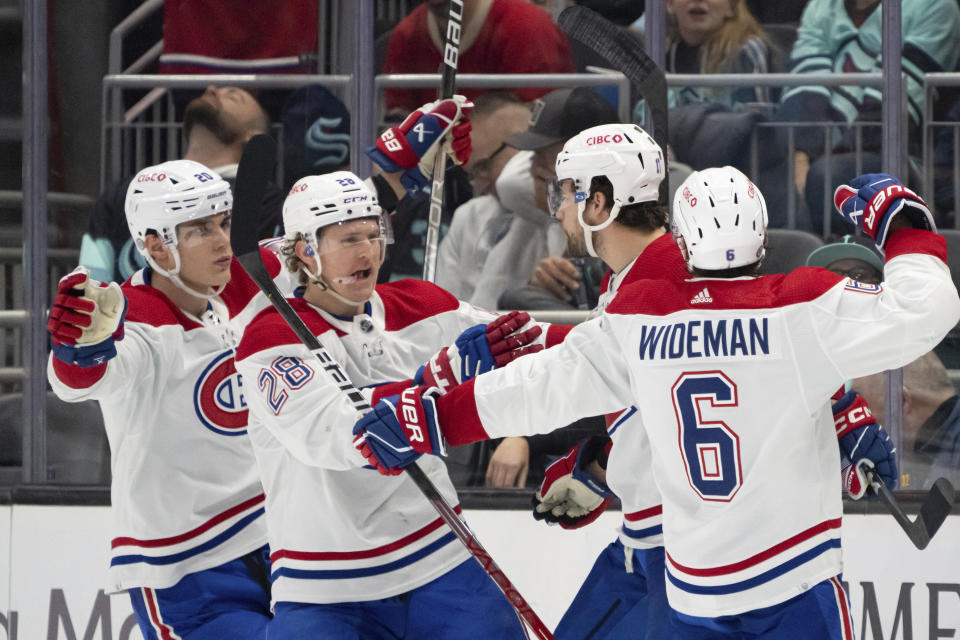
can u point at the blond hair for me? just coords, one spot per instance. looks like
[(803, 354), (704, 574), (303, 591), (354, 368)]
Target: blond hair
[(719, 53)]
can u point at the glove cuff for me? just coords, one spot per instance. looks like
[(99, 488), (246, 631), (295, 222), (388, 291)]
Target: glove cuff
[(382, 160), (414, 182), (91, 355)]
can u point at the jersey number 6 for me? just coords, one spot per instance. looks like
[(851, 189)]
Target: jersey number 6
[(710, 449)]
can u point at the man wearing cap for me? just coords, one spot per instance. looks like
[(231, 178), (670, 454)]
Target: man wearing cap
[(849, 258), (557, 117)]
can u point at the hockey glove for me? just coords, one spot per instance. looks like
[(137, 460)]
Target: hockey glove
[(399, 430), (86, 320), (412, 147), (872, 200), (864, 443), (478, 350), (569, 495)]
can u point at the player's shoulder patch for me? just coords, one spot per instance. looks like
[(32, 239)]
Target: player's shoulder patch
[(268, 329), (150, 306), (862, 287), (408, 301)]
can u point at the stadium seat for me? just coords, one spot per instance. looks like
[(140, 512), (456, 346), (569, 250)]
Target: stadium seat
[(788, 249), (77, 448)]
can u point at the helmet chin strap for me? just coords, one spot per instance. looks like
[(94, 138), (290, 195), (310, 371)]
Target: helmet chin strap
[(588, 229), (324, 284), (174, 276)]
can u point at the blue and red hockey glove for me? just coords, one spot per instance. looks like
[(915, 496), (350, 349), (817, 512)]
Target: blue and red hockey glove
[(413, 146), (86, 320), (569, 495), (479, 349), (399, 430), (865, 444), (871, 201)]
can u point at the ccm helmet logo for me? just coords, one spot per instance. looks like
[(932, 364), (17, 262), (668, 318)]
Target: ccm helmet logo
[(354, 199), (689, 197), (605, 139), (410, 415), (152, 177)]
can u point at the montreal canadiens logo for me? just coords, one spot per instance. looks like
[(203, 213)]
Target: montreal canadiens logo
[(218, 397)]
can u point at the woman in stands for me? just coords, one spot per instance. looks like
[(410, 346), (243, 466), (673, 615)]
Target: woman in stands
[(715, 36)]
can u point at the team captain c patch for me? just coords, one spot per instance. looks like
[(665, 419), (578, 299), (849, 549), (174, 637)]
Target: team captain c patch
[(218, 397)]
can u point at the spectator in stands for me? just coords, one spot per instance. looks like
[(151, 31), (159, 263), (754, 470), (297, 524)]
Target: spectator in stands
[(216, 126), (712, 126), (931, 421), (849, 258), (495, 117), (715, 36), (482, 221), (556, 118), (498, 36), (844, 36)]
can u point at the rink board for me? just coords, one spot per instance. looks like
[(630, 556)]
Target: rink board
[(53, 560)]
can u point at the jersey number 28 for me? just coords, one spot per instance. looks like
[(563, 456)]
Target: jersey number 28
[(710, 448)]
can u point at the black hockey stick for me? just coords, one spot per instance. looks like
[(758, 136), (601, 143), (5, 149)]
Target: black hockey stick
[(622, 52), (451, 54), (934, 509), (256, 166)]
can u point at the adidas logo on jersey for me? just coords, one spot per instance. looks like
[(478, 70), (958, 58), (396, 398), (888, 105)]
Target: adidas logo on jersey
[(702, 298)]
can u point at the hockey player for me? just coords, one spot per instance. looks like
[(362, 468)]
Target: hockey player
[(726, 372), (190, 539), (618, 169), (626, 580), (355, 554), (190, 536)]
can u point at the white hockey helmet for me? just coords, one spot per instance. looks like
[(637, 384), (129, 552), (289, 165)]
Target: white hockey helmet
[(623, 153), (165, 195), (722, 218), (315, 202)]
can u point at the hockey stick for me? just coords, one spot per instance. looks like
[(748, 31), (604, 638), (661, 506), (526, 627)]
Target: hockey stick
[(933, 510), (451, 54), (256, 166), (625, 54)]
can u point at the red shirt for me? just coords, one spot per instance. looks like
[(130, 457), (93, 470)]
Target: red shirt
[(207, 36), (516, 37)]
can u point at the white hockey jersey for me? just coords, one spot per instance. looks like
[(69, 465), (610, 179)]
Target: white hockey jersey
[(340, 531), (185, 492), (732, 380), (642, 511)]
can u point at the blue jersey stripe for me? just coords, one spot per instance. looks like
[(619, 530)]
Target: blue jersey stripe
[(189, 553), (766, 576), (643, 533), (621, 420), (340, 574)]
